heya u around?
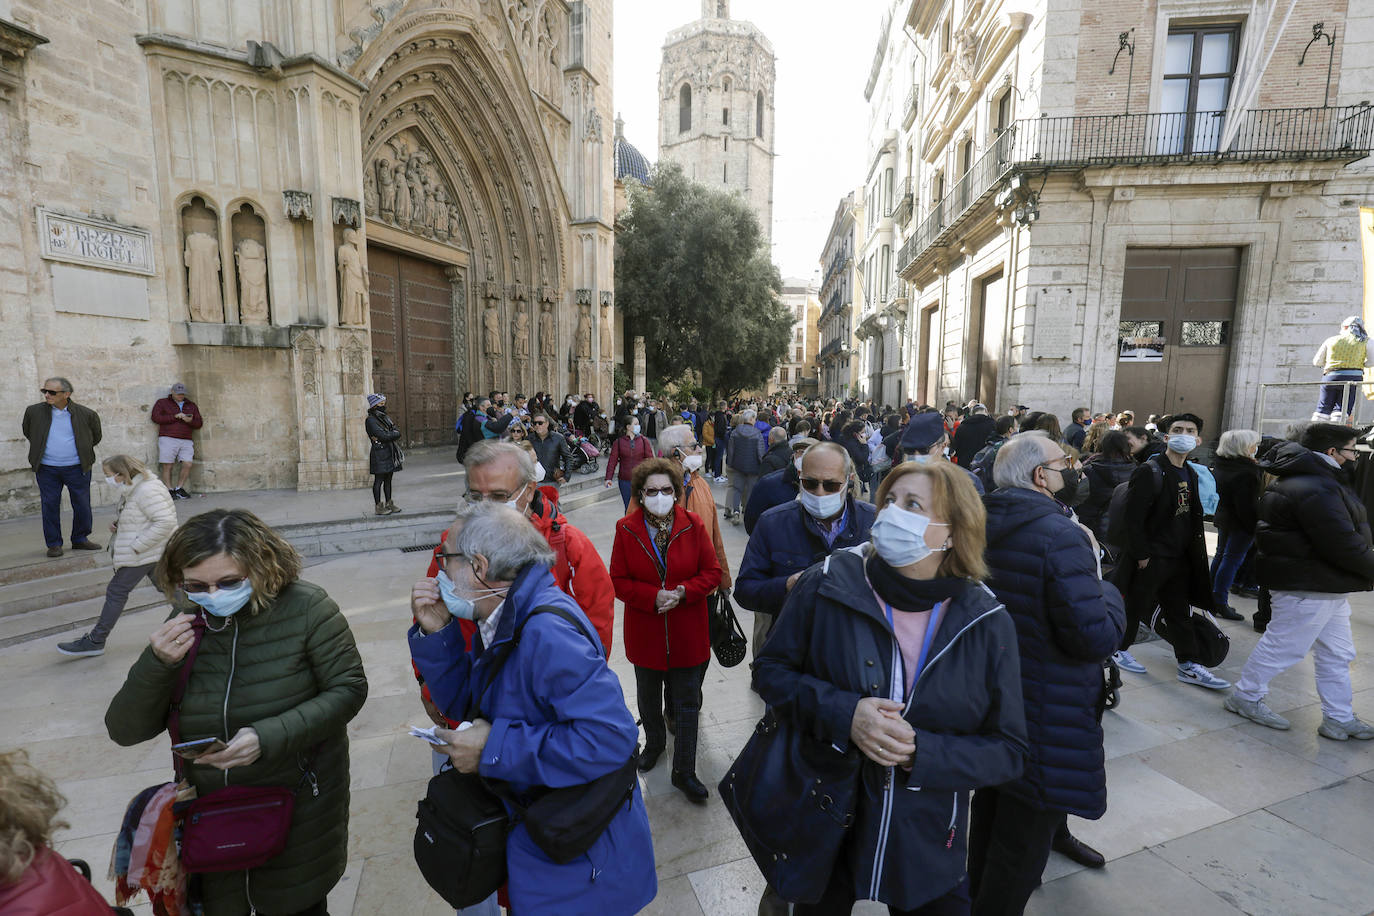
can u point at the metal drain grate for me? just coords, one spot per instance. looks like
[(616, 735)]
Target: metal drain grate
[(427, 548)]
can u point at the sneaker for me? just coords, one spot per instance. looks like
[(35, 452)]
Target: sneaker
[(85, 647), (1256, 711), (1339, 731), (179, 493), (1193, 673), (1127, 662)]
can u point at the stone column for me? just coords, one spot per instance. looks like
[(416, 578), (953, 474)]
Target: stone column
[(641, 380), (458, 302)]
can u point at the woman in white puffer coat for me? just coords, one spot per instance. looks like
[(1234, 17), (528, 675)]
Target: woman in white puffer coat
[(144, 522)]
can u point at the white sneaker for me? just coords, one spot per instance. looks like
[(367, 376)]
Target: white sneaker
[(1193, 673), (1127, 662), (1256, 711), (1339, 731)]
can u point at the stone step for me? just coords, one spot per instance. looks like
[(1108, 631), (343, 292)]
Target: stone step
[(74, 617), (50, 591), (72, 561)]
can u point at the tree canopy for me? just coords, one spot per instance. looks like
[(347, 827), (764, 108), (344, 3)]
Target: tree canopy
[(693, 278)]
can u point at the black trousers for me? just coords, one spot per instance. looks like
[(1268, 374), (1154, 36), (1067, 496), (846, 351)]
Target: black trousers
[(838, 899), (1163, 584), (381, 483), (685, 691), (1008, 846)]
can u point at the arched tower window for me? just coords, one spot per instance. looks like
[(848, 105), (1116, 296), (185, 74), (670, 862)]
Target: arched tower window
[(725, 87), (758, 116), (684, 109)]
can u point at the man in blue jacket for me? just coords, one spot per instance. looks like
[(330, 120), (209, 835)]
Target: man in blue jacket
[(553, 715), (798, 534), (1044, 569)]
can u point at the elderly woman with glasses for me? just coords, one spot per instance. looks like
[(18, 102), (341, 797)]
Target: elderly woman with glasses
[(663, 566)]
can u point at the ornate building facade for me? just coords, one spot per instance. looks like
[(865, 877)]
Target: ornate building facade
[(837, 358), (715, 113), (289, 204)]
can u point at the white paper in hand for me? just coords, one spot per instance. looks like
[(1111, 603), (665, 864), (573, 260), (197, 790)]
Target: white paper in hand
[(427, 734)]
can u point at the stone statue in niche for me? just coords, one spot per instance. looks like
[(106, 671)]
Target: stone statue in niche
[(607, 346), (582, 337), (352, 282), (437, 218), (370, 198), (491, 343), (416, 179), (548, 338), (454, 221), (402, 194), (251, 259), (202, 277), (520, 332), (386, 190)]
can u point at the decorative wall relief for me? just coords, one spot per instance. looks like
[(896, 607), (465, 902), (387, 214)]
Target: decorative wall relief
[(249, 232), (200, 255), (298, 205), (411, 193), (354, 366), (352, 282), (346, 212)]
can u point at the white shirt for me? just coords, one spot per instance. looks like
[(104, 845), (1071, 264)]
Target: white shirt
[(487, 626)]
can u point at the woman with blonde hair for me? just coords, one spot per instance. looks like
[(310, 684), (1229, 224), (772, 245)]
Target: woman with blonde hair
[(145, 518), (34, 880), (274, 675), (897, 661)]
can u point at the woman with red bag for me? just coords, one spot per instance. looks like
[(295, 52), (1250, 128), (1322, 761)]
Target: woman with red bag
[(663, 566)]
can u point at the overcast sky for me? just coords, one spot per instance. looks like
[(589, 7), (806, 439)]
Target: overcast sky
[(824, 52)]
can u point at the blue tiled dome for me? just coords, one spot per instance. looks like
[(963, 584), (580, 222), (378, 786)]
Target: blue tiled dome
[(629, 162)]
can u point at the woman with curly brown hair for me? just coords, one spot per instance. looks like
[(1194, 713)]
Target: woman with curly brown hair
[(34, 880), (276, 677)]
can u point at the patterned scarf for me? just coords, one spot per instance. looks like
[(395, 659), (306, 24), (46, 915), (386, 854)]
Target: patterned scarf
[(662, 526)]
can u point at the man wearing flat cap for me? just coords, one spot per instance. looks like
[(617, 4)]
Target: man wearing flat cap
[(177, 417), (925, 439)]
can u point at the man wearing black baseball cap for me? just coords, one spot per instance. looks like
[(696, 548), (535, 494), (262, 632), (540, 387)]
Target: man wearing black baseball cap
[(925, 440)]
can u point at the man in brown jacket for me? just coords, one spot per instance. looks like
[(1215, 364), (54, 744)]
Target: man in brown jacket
[(62, 439)]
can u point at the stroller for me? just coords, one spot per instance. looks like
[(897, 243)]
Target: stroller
[(585, 457)]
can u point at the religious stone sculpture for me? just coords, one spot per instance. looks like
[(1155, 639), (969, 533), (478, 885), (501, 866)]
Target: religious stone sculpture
[(386, 190), (491, 343), (202, 277), (607, 347), (370, 198), (352, 282), (520, 332), (583, 336), (416, 179), (251, 259), (402, 194), (548, 339), (437, 218)]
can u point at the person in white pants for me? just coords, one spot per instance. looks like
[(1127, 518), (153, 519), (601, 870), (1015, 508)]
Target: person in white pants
[(1314, 548)]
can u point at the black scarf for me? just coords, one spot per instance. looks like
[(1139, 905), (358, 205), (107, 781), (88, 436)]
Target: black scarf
[(913, 595)]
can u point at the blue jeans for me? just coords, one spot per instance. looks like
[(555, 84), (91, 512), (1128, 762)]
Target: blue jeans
[(1232, 547), (626, 490), (1331, 394), (51, 480)]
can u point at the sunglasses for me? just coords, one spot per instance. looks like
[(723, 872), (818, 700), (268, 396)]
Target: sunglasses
[(223, 585), (814, 484), (50, 391), (539, 423), (659, 491)]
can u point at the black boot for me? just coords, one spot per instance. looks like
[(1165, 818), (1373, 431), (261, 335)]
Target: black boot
[(685, 756), (1067, 844), (648, 758), (691, 787)]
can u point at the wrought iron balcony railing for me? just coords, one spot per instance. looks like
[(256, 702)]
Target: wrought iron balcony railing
[(1038, 144), (902, 202), (909, 109)]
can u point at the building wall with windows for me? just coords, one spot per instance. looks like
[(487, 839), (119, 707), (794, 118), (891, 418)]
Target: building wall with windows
[(837, 359), (716, 106), (797, 372), (1079, 242)]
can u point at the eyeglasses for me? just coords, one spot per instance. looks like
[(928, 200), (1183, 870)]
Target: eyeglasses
[(815, 483), (1351, 449), (658, 491), (498, 496), (223, 585), (539, 422), (50, 391)]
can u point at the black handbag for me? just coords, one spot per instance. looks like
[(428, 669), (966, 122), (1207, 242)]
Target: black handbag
[(1212, 644), (727, 637), (793, 800)]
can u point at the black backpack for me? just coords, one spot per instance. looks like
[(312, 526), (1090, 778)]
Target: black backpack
[(1117, 522)]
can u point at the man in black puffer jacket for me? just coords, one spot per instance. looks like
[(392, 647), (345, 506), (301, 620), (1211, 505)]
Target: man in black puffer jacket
[(1314, 549), (1044, 569)]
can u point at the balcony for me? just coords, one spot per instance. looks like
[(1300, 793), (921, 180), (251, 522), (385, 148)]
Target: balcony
[(909, 109), (902, 202), (830, 350), (1073, 143)]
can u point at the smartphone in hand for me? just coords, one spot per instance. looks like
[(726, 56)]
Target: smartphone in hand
[(190, 750)]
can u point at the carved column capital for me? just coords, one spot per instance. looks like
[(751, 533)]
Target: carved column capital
[(346, 212), (299, 205), (584, 296)]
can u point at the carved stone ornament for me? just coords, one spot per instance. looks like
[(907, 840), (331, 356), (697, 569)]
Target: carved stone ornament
[(548, 294), (605, 298), (491, 290), (412, 194), (298, 204), (584, 296), (347, 212), (308, 358), (518, 292)]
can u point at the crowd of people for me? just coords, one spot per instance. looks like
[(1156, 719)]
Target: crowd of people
[(941, 601)]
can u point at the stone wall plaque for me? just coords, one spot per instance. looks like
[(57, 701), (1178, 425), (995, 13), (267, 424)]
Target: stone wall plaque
[(95, 243), (1055, 319)]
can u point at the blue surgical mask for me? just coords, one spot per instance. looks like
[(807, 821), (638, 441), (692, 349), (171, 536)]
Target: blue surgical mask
[(458, 605), (1182, 444), (821, 506), (899, 536), (224, 602)]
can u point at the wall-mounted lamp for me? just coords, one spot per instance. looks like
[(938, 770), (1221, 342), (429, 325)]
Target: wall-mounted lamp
[(1319, 33), (1124, 43)]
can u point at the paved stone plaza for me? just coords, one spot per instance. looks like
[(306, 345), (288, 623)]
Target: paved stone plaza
[(1208, 814)]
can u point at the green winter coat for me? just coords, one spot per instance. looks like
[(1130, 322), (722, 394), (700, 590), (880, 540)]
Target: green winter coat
[(292, 672)]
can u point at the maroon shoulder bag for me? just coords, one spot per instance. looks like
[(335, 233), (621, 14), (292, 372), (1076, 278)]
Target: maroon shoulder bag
[(237, 827)]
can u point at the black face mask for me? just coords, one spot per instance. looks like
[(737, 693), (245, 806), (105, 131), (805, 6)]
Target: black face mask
[(1075, 489)]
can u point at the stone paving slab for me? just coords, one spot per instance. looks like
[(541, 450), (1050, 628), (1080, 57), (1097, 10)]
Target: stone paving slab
[(1208, 814)]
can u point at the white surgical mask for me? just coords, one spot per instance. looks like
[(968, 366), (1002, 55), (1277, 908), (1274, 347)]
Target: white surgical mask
[(693, 463), (660, 504), (1182, 443), (899, 536), (634, 430), (822, 505), (797, 464), (115, 482)]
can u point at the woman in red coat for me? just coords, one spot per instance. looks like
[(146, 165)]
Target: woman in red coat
[(663, 566)]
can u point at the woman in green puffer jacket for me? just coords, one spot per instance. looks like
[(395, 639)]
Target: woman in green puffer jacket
[(277, 677)]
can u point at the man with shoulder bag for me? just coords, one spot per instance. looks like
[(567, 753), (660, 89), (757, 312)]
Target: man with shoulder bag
[(549, 735)]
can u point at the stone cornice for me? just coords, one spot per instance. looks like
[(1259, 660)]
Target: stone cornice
[(290, 66), (15, 43)]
